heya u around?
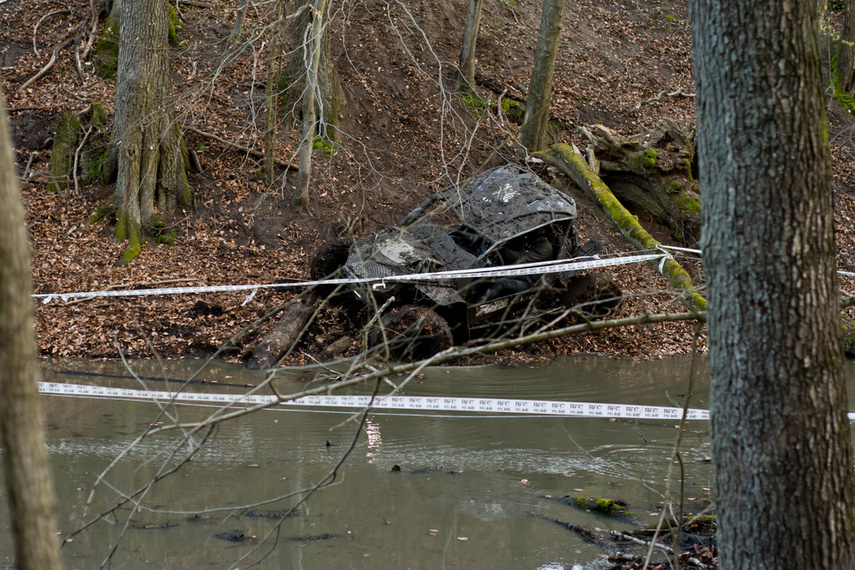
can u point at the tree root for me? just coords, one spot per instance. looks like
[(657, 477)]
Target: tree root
[(661, 94), (47, 67)]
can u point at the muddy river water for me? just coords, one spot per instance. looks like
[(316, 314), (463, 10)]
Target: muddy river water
[(430, 490)]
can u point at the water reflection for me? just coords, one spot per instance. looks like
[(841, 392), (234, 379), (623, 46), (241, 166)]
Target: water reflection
[(420, 491)]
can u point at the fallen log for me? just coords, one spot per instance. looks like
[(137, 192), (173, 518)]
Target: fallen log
[(285, 334), (569, 160)]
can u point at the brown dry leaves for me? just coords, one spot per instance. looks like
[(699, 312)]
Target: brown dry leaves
[(403, 139)]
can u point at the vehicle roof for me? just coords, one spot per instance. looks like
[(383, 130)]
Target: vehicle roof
[(505, 202), (498, 205)]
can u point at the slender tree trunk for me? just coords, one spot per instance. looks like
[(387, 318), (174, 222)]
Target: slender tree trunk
[(240, 15), (844, 70), (533, 136), (28, 478), (470, 38), (151, 171), (313, 57), (329, 99), (271, 92), (780, 436)]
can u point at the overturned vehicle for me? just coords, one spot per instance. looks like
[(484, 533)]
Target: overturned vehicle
[(506, 217)]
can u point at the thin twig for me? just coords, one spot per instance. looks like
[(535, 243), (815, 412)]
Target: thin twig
[(253, 152), (661, 94), (77, 155), (47, 67), (676, 452), (39, 23)]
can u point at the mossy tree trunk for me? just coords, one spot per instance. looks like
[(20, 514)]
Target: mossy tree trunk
[(781, 447), (67, 135), (28, 479), (569, 160), (470, 39), (534, 133), (147, 139)]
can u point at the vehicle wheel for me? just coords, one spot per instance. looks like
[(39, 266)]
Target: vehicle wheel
[(411, 333), (326, 262), (329, 258), (596, 295)]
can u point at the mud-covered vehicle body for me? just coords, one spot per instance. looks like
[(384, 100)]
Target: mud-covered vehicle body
[(497, 218)]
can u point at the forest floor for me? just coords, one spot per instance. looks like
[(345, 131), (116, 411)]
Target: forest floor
[(403, 134)]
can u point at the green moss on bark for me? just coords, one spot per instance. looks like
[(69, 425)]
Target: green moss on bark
[(126, 229), (174, 25), (569, 161), (65, 140), (644, 162), (608, 507), (107, 50)]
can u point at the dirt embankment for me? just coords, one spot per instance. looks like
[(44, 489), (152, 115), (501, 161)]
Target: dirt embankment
[(403, 134)]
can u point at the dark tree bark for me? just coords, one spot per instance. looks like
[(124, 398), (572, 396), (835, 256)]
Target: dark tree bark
[(151, 160), (28, 479), (780, 436), (533, 135), (470, 38), (844, 71)]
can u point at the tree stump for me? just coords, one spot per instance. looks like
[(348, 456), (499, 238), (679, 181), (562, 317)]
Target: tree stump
[(652, 172)]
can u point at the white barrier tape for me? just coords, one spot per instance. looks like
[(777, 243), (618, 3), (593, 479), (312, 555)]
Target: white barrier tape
[(699, 252), (558, 266), (423, 403), (676, 248)]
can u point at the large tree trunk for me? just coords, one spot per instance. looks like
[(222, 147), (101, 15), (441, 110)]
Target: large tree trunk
[(533, 135), (151, 172), (470, 39), (28, 480), (780, 436)]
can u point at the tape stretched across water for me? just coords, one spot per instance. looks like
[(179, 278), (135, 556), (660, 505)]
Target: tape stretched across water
[(417, 403), (420, 403)]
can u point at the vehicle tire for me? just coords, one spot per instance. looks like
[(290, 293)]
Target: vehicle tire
[(327, 261), (596, 295), (329, 258), (412, 332)]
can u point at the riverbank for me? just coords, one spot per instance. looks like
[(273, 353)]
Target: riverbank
[(403, 134)]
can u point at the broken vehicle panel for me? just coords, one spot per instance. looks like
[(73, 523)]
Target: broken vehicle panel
[(502, 216)]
